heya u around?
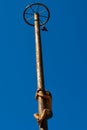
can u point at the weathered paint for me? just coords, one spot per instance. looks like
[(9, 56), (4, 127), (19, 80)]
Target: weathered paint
[(39, 68)]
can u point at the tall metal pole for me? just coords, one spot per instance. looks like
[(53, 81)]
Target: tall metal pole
[(36, 15), (39, 68), (39, 65)]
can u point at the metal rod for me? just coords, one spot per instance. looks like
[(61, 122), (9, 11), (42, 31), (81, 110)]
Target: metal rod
[(39, 68)]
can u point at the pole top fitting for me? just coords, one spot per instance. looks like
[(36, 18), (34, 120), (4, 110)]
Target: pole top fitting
[(41, 9)]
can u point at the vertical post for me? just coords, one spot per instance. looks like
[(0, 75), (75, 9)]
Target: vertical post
[(39, 68)]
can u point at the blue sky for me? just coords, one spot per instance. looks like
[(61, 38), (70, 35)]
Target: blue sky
[(65, 65)]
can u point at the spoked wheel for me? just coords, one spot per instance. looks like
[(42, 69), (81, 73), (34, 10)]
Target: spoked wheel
[(41, 9)]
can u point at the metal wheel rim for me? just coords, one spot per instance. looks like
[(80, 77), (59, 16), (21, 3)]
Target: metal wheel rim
[(30, 7)]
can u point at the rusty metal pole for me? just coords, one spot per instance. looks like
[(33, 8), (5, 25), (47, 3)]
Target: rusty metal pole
[(39, 68), (31, 17)]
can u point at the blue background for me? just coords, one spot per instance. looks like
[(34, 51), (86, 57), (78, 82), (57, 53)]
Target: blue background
[(65, 65)]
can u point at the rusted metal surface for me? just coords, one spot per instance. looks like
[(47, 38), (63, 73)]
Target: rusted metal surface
[(39, 68), (39, 65)]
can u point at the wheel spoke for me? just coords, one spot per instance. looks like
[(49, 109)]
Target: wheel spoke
[(42, 11), (32, 9), (43, 16), (38, 8), (30, 18), (41, 21), (29, 13)]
